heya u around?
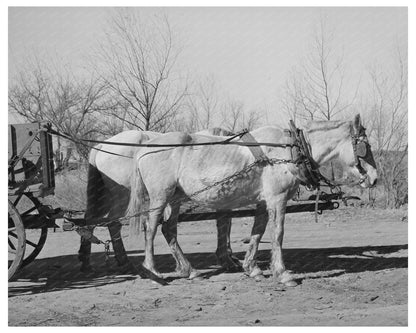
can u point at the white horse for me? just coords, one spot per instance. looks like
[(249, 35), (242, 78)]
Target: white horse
[(108, 192), (195, 173)]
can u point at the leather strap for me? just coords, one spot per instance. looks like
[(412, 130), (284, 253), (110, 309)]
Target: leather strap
[(257, 152), (308, 169)]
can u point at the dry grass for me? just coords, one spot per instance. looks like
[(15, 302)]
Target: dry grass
[(70, 189)]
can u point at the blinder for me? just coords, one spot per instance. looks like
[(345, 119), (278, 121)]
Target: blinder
[(361, 149)]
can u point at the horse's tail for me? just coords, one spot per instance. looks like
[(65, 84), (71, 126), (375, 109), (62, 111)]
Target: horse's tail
[(138, 204), (96, 191)]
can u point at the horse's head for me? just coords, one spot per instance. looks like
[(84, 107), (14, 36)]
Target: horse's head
[(359, 159)]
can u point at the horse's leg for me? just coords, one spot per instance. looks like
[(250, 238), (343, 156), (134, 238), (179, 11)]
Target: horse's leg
[(170, 232), (224, 251), (150, 228), (118, 209), (277, 215), (259, 226), (97, 207), (117, 243), (84, 254)]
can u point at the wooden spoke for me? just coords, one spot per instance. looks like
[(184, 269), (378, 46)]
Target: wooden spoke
[(29, 211), (31, 243), (17, 199), (28, 208), (11, 245), (18, 245), (36, 238), (12, 234)]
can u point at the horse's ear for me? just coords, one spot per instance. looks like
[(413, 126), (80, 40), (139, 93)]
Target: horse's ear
[(357, 121)]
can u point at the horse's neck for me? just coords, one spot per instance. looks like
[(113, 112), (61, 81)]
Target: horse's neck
[(327, 143)]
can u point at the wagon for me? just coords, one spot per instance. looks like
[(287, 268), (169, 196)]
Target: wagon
[(31, 178)]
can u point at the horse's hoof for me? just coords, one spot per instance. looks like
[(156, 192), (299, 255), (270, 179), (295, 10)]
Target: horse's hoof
[(259, 278), (176, 275), (230, 264), (255, 272), (232, 267), (291, 283), (194, 275), (286, 279), (152, 272)]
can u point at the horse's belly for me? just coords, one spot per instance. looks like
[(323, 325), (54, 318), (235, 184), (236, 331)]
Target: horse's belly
[(225, 195)]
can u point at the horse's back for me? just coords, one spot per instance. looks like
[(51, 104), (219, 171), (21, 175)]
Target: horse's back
[(212, 161), (190, 167), (115, 161)]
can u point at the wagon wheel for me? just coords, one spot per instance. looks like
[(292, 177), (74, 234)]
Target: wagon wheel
[(30, 209), (17, 240)]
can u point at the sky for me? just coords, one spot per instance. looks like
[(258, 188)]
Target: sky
[(249, 51)]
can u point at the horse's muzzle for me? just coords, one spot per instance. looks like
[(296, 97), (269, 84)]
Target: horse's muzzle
[(366, 181)]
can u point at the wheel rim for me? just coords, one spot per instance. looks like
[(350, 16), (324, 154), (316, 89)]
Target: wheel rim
[(29, 207), (16, 240)]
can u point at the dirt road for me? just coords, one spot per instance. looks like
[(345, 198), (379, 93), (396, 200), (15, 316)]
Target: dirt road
[(351, 266)]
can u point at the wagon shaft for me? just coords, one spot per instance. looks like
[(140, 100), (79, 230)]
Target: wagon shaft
[(298, 208), (38, 221)]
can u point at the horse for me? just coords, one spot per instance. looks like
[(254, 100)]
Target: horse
[(195, 173), (108, 192)]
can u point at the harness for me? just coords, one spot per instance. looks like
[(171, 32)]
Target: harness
[(257, 152), (362, 150), (308, 169), (309, 174)]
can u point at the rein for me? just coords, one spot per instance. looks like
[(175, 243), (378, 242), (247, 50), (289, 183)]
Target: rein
[(227, 141)]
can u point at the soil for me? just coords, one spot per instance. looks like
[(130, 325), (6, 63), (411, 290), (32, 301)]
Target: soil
[(352, 269)]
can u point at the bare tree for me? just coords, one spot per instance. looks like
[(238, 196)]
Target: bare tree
[(315, 90), (388, 128), (136, 62), (235, 117), (203, 104), (206, 107), (45, 93)]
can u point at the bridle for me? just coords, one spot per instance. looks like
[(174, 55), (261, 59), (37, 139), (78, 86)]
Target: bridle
[(361, 149), (309, 170)]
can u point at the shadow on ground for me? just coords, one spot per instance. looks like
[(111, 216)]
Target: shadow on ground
[(62, 273)]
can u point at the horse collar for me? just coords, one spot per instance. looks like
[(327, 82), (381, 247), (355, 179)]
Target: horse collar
[(308, 169)]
